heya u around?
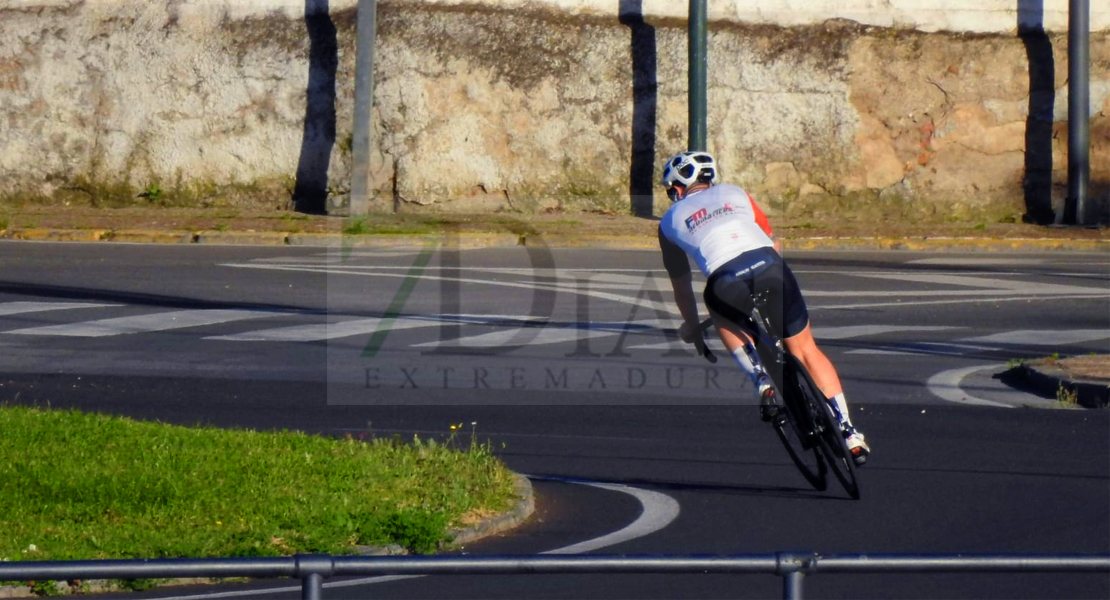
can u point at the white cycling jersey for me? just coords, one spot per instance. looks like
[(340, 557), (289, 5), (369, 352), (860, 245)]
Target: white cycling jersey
[(713, 226)]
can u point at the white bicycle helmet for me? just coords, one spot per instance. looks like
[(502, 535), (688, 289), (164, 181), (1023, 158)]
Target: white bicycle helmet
[(686, 169)]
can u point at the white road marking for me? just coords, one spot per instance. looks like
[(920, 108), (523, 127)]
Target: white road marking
[(517, 337), (323, 331), (946, 386), (919, 348), (657, 511), (15, 308), (867, 305), (162, 321), (969, 261), (1042, 337), (714, 344), (854, 331), (663, 307), (1018, 286)]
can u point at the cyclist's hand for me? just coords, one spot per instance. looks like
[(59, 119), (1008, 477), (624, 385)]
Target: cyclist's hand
[(687, 331)]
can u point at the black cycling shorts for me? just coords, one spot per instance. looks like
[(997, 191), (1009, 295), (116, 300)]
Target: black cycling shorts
[(730, 289)]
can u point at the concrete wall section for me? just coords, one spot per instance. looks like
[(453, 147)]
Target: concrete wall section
[(555, 104), (984, 16)]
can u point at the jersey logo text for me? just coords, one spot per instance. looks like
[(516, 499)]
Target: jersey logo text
[(703, 216)]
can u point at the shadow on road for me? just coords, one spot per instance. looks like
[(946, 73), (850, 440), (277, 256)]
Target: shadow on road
[(159, 300)]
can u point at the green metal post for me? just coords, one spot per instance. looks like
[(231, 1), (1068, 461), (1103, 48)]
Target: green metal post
[(365, 35), (699, 67), (1079, 113)]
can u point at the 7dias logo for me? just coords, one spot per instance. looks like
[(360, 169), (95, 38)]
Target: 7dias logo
[(703, 215)]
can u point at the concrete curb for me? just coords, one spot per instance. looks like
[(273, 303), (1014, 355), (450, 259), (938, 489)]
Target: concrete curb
[(947, 243), (1047, 379), (505, 239), (524, 507), (499, 523)]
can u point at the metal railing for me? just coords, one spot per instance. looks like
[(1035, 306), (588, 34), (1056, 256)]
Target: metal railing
[(312, 569)]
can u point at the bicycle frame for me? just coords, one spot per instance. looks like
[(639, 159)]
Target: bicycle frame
[(812, 422)]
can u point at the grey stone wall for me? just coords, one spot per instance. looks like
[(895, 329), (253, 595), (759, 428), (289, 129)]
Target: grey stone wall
[(480, 109)]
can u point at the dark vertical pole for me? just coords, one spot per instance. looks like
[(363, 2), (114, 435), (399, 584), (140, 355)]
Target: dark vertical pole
[(364, 103), (312, 587), (792, 585), (699, 67), (1079, 107)]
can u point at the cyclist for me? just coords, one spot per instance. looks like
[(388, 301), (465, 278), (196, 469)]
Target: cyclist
[(725, 232)]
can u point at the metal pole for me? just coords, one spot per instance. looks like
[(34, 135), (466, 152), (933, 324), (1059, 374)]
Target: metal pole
[(699, 67), (364, 103), (1079, 115), (792, 585), (312, 587)]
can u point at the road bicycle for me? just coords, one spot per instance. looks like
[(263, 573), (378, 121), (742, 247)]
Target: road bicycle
[(804, 420)]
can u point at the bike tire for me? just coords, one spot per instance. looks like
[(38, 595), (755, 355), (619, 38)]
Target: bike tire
[(795, 434), (829, 438), (805, 456)]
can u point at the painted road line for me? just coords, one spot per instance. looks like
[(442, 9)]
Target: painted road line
[(162, 321), (16, 308), (992, 300), (662, 307), (352, 327), (713, 343), (323, 331), (524, 336), (946, 386), (971, 261), (412, 277), (855, 331), (657, 511), (554, 334), (1042, 337), (1018, 286), (930, 348)]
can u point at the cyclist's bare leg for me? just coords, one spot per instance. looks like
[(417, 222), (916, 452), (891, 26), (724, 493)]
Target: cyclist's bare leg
[(731, 336), (742, 348), (805, 349)]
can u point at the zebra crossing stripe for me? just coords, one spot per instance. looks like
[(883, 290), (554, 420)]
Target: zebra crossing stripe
[(322, 331), (15, 308), (162, 321)]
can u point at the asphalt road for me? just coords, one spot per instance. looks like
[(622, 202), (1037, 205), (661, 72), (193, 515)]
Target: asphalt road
[(563, 357)]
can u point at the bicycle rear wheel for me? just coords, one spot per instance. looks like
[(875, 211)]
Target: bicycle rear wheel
[(826, 428), (803, 453), (793, 427)]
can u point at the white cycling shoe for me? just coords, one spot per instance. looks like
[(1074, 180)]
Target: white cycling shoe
[(857, 445)]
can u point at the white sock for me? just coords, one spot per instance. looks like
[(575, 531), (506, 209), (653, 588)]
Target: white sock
[(842, 406), (748, 360)]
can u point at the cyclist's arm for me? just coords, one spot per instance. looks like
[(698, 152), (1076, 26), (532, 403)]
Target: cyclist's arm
[(678, 268), (687, 305)]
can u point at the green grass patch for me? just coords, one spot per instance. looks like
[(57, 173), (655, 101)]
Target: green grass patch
[(386, 225), (87, 486)]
